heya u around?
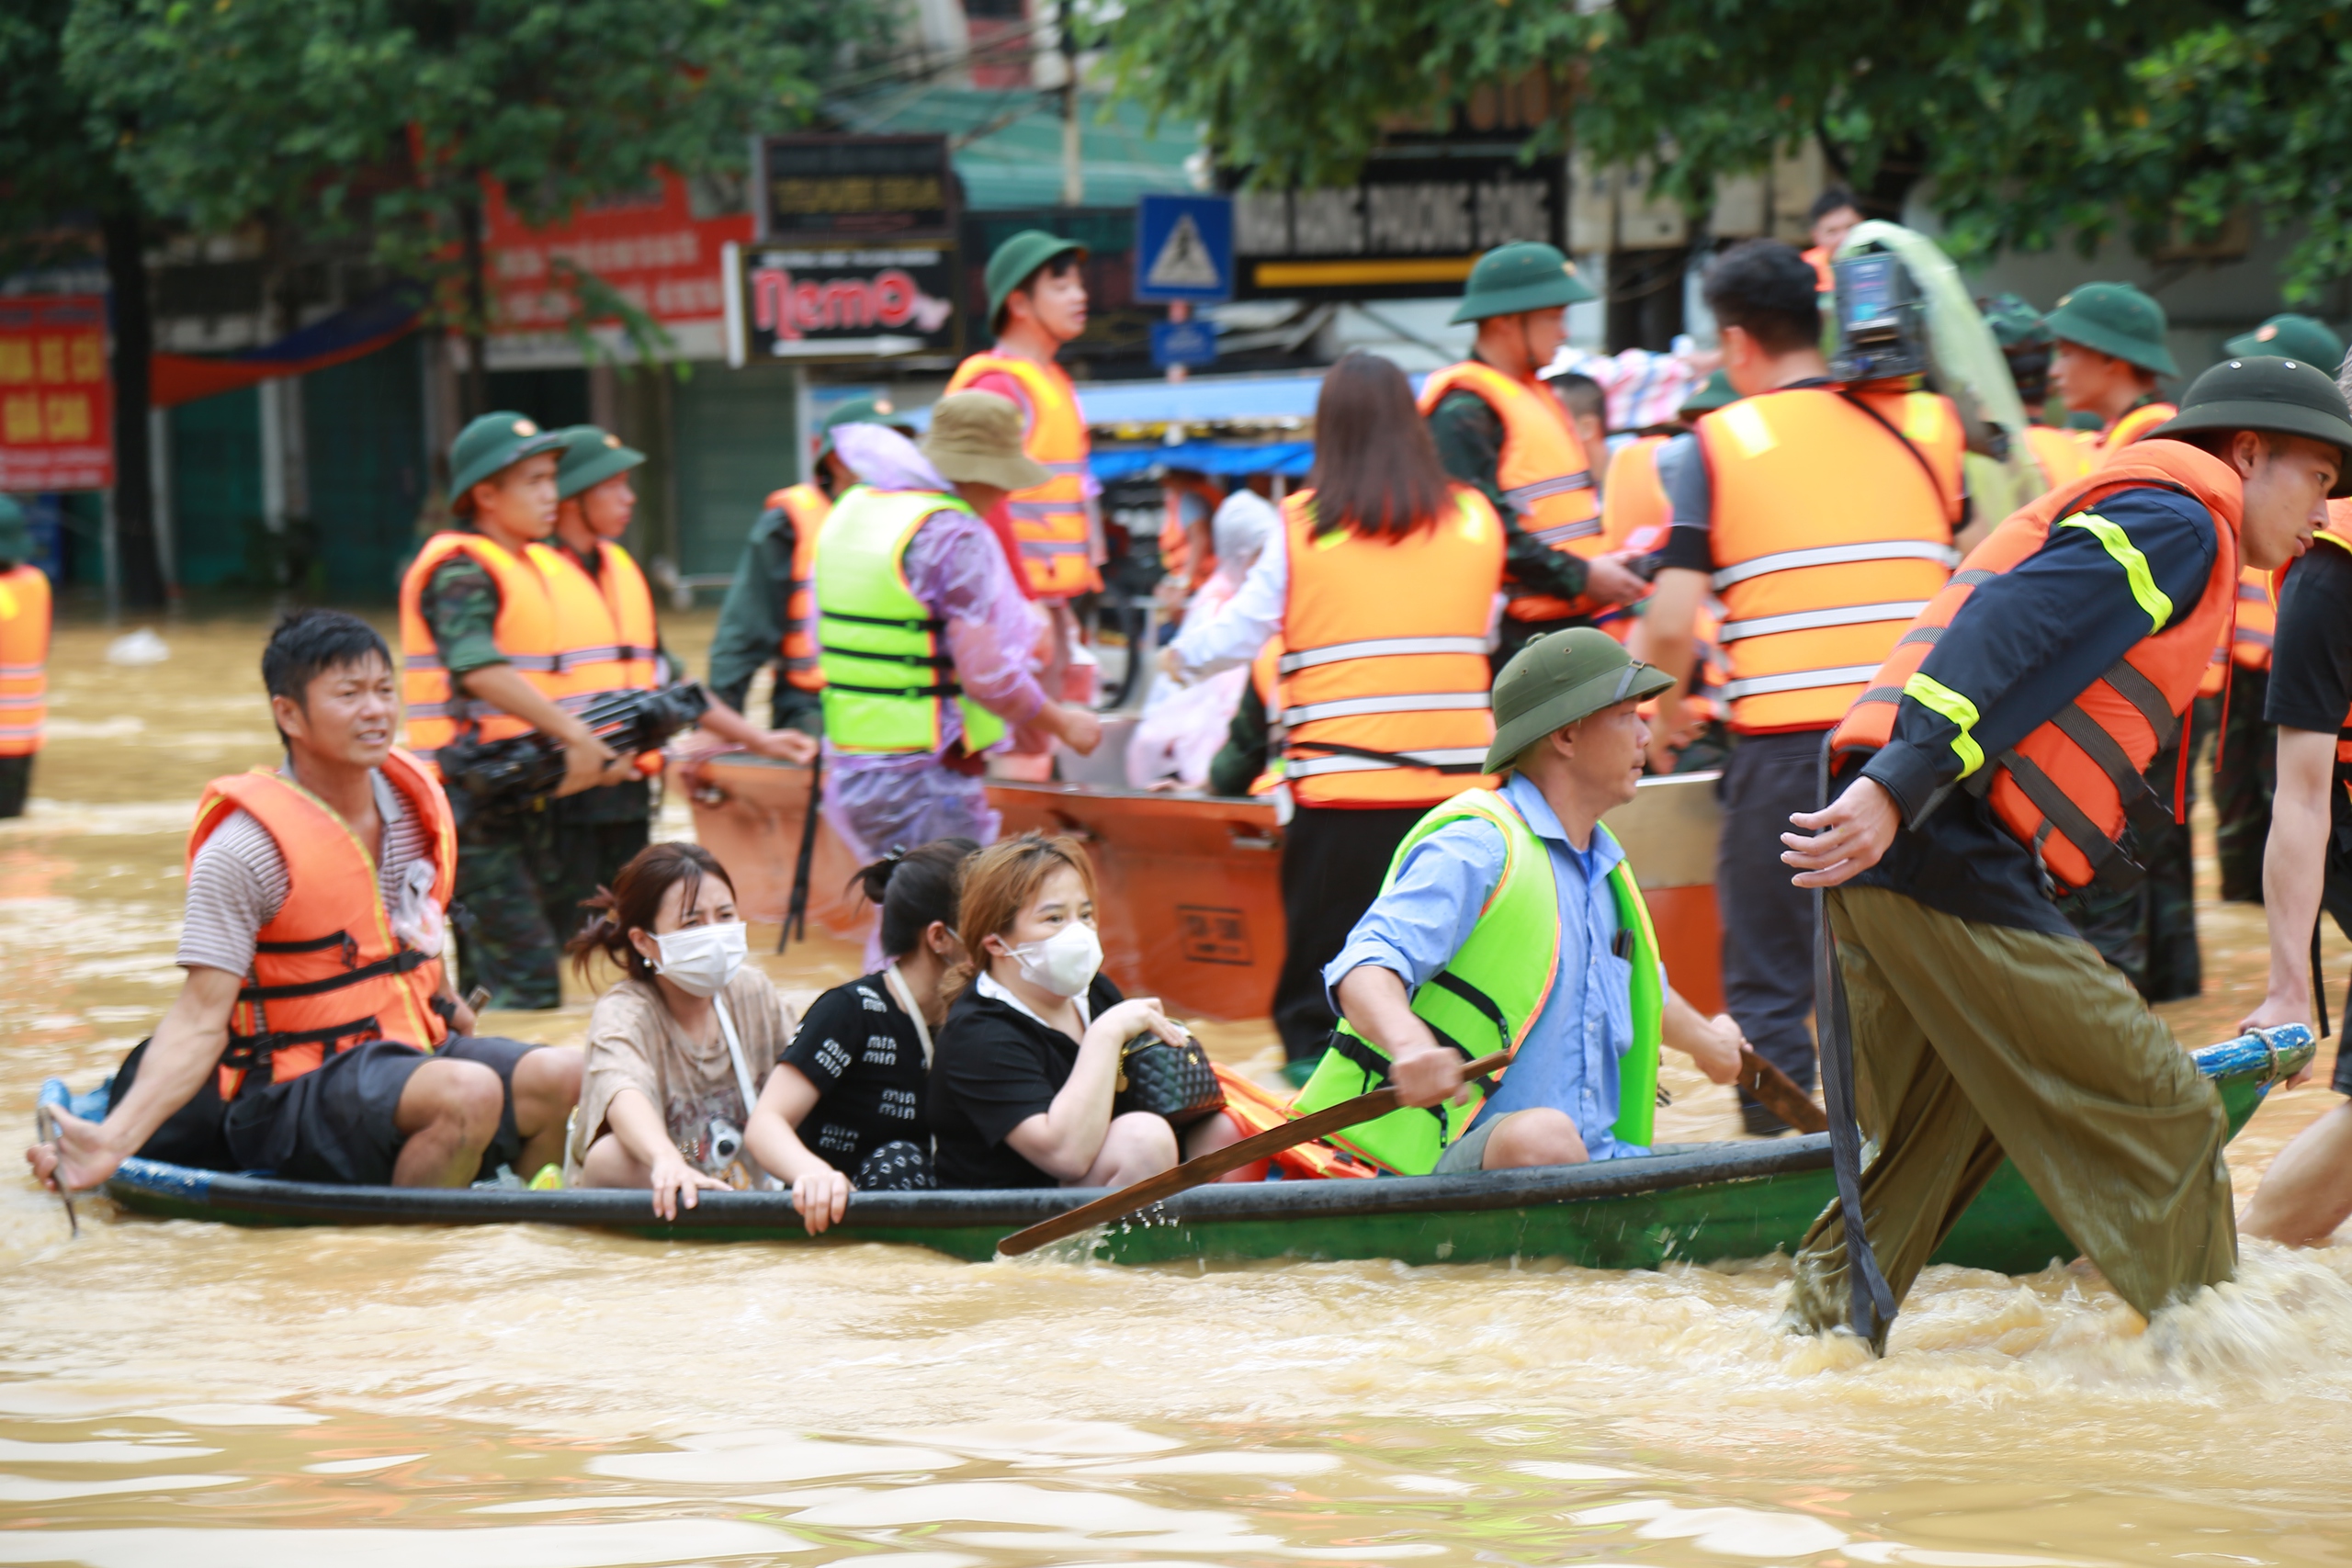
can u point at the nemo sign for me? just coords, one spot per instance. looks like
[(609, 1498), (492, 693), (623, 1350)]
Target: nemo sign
[(56, 401), (806, 302)]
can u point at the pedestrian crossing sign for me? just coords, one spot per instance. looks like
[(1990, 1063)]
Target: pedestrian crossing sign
[(1183, 248)]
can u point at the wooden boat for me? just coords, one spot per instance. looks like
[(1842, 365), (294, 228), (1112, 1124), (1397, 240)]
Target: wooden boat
[(1700, 1203), (1191, 896)]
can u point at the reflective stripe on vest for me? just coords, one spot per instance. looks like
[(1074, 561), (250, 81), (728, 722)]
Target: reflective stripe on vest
[(327, 972), (1050, 521), (1400, 718), (525, 634), (805, 507), (605, 630), (2068, 790), (1490, 994), (24, 609), (888, 673), (1544, 472), (1830, 531)]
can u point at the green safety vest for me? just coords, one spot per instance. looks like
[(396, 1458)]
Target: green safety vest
[(888, 675), (1487, 997)]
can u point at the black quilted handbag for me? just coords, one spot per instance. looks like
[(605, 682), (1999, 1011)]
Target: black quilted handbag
[(1174, 1081)]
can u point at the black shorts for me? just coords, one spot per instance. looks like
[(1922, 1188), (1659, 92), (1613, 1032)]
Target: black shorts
[(335, 1122)]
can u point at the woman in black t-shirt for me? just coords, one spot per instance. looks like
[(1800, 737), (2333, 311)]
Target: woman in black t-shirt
[(847, 1095), (1029, 1060)]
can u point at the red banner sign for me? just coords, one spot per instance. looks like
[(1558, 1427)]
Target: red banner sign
[(56, 402), (654, 252)]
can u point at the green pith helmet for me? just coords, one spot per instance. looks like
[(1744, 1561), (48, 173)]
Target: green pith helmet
[(1560, 678), (1014, 262), (15, 539), (859, 410), (2280, 397), (2306, 338), (492, 443), (1709, 395), (2015, 323), (1525, 275), (2115, 319), (591, 455)]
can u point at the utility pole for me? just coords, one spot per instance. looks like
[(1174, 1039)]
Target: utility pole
[(1073, 165)]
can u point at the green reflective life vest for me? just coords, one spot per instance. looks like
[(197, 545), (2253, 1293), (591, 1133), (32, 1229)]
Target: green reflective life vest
[(888, 675), (1488, 996)]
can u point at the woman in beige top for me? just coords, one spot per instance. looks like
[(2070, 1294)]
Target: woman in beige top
[(676, 1050)]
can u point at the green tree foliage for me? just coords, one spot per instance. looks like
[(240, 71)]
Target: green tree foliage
[(2035, 120), (385, 117)]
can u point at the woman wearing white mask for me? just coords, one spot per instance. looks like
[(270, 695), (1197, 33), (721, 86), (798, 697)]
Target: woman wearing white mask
[(1028, 1064), (676, 1049)]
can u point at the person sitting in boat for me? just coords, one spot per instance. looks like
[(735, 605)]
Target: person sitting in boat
[(1028, 1064), (316, 1035), (848, 1094), (923, 637), (677, 1047), (1510, 919)]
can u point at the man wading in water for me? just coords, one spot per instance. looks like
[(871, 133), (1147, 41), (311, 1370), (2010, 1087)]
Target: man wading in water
[(2051, 669)]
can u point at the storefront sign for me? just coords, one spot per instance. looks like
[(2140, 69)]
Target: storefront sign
[(654, 252), (1411, 226), (803, 303), (56, 401), (854, 190)]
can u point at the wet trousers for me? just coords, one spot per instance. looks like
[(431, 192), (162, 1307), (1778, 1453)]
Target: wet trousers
[(1974, 1039), (16, 780), (1768, 924), (1334, 861), (2245, 775), (505, 940)]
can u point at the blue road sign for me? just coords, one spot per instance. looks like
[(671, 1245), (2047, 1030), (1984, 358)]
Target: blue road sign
[(1183, 249), (1183, 343)]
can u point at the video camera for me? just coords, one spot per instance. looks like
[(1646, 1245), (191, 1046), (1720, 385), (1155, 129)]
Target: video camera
[(1882, 320), (504, 774)]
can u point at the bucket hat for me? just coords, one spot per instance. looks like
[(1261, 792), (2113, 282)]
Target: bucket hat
[(1013, 263), (859, 410), (975, 438), (15, 539), (2015, 323), (1560, 678), (2116, 318), (2280, 397), (1525, 275), (2306, 338), (492, 443), (591, 455)]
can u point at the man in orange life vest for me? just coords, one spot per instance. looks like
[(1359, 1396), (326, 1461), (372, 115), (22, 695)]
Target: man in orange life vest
[(316, 1035), (1823, 516), (2001, 750), (2110, 351), (24, 657), (1036, 307), (1831, 217), (768, 615), (1499, 428), (481, 653), (605, 622)]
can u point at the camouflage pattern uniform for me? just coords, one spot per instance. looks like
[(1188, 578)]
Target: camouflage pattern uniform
[(751, 628)]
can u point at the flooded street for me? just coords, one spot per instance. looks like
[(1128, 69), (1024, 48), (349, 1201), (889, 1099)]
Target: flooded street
[(512, 1397)]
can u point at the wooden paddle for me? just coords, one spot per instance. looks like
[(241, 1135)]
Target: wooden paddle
[(1779, 1093), (1209, 1167)]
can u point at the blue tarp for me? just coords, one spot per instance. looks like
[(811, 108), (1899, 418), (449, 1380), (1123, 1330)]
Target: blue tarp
[(1205, 400), (1291, 458)]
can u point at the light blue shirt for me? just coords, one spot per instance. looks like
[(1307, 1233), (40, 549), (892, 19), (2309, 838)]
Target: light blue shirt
[(1569, 1059)]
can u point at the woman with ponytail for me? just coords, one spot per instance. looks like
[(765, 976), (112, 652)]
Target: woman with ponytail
[(845, 1108), (676, 1047)]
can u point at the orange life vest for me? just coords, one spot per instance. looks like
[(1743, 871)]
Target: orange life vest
[(1634, 512), (606, 641), (24, 658), (1176, 540), (1831, 531), (806, 508), (1384, 698), (328, 974), (525, 633), (1050, 521), (2060, 454), (2067, 789), (1825, 277), (1544, 474), (2134, 426), (1255, 1111)]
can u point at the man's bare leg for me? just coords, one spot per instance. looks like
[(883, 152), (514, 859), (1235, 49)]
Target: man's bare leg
[(2307, 1192), (447, 1114)]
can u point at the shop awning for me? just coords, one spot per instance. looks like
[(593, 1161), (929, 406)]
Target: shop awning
[(174, 378), (1008, 144)]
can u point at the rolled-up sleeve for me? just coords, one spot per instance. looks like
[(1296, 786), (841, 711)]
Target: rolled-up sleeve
[(1414, 929)]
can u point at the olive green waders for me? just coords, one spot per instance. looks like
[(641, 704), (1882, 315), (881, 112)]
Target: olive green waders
[(1974, 1039)]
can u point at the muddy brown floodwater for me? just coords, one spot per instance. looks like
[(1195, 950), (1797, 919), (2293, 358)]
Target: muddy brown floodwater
[(186, 1393)]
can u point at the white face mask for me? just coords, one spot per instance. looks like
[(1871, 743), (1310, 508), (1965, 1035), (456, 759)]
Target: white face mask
[(1063, 963), (700, 960)]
